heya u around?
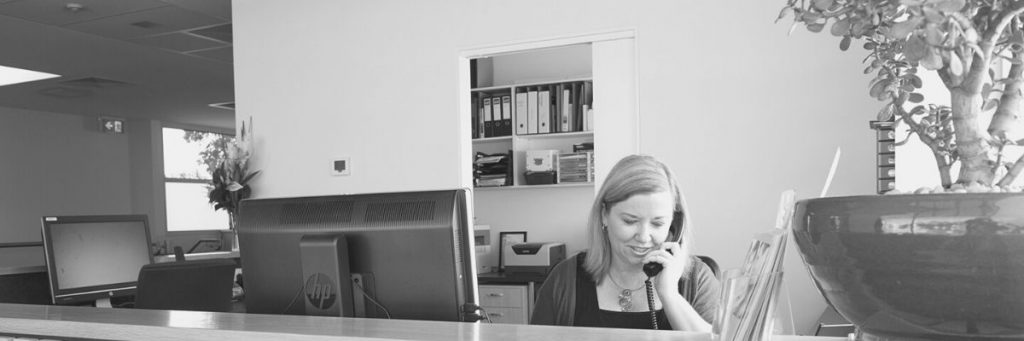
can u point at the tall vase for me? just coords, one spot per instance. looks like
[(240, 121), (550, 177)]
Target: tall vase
[(233, 228)]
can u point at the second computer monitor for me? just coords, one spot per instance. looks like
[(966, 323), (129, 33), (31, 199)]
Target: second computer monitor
[(94, 258)]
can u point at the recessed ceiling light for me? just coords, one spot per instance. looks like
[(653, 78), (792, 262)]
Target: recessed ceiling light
[(225, 105), (13, 75), (74, 7)]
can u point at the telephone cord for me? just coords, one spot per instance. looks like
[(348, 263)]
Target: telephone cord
[(650, 302)]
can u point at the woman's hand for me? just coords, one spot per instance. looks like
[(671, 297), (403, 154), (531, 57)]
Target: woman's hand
[(667, 282)]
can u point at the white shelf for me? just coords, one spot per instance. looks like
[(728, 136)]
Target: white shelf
[(520, 187), (571, 134), (492, 88), (533, 82), (552, 81), (507, 138)]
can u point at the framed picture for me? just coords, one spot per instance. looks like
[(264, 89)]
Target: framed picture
[(506, 240)]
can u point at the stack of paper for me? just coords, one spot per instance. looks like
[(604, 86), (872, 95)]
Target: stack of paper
[(749, 294), (492, 170)]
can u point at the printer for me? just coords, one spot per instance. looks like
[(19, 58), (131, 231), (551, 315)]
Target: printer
[(533, 258)]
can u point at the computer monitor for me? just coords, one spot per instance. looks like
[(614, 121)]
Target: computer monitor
[(412, 253), (95, 258)]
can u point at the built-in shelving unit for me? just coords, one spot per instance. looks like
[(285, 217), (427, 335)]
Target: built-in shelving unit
[(547, 114), (548, 212)]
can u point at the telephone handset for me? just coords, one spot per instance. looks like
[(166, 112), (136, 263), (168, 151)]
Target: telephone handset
[(653, 269)]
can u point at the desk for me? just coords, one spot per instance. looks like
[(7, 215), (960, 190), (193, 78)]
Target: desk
[(531, 280), (508, 297), (138, 324), (197, 256)]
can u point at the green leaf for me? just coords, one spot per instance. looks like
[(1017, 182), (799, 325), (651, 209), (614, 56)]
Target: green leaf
[(844, 44), (933, 15), (810, 17), (823, 5), (902, 99), (886, 113), (949, 6), (916, 98), (783, 13), (815, 27), (933, 35), (990, 104), (249, 177), (914, 80), (904, 28), (878, 89), (956, 66), (859, 28), (840, 27), (1017, 38), (932, 60), (916, 48)]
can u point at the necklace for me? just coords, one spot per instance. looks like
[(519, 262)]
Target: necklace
[(626, 296)]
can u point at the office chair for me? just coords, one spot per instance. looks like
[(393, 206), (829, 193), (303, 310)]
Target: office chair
[(202, 285), (711, 263), (25, 288)]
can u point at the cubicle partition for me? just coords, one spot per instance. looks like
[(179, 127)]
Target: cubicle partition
[(22, 281)]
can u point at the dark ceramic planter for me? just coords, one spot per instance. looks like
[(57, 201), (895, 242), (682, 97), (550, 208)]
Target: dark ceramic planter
[(919, 267)]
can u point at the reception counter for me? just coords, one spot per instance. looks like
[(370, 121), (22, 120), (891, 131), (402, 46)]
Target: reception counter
[(59, 322)]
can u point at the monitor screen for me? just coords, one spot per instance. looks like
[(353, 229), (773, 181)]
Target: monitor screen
[(94, 257), (410, 255)]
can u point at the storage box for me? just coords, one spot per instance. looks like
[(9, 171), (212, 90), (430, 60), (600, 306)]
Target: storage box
[(540, 178), (545, 160)]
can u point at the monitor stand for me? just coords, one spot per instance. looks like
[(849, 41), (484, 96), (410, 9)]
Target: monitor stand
[(103, 303)]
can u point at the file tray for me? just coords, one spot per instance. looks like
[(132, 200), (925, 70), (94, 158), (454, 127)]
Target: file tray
[(541, 178)]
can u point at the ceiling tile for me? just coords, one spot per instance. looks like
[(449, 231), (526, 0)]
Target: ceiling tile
[(223, 54), (179, 42), (145, 23), (54, 12), (219, 32), (214, 8)]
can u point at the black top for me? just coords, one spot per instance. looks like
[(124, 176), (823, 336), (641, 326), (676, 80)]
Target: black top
[(589, 313)]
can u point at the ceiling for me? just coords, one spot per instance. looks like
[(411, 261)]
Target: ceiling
[(166, 60)]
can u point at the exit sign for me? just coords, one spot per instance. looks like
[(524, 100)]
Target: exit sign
[(112, 125)]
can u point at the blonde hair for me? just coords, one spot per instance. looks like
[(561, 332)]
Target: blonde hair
[(634, 174)]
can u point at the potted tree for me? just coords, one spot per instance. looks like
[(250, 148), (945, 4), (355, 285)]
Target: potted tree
[(230, 178), (929, 266)]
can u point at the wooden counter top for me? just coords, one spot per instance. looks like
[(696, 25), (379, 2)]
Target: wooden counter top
[(140, 324)]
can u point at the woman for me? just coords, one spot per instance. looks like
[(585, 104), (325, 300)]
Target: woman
[(638, 217)]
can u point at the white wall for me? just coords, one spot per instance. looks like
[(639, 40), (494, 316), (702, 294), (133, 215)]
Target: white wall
[(56, 164), (739, 109)]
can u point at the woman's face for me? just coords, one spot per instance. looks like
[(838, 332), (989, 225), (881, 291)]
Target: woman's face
[(638, 225)]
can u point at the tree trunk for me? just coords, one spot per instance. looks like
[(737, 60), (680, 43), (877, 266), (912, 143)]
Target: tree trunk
[(944, 176), (971, 139), (1009, 104)]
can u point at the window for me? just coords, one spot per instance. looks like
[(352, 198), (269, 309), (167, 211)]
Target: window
[(189, 158)]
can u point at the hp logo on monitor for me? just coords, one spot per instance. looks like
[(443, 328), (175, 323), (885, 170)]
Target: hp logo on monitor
[(321, 291)]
